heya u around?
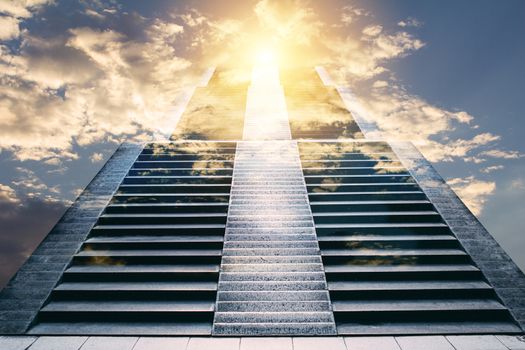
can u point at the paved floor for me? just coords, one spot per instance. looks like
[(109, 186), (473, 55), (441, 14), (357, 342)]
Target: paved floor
[(469, 342)]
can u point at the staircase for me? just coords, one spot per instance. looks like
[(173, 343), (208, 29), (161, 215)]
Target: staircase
[(272, 280), (151, 263), (392, 265)]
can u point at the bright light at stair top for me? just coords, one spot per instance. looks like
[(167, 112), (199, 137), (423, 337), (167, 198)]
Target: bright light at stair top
[(265, 57)]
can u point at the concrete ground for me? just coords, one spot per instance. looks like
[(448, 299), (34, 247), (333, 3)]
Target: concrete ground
[(469, 342)]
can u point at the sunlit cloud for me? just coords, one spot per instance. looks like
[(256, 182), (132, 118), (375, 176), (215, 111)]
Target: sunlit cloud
[(8, 195), (98, 81), (473, 192)]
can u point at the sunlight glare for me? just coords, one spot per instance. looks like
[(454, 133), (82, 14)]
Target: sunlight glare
[(265, 57)]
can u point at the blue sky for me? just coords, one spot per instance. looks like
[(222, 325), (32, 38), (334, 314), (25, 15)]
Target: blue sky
[(78, 77)]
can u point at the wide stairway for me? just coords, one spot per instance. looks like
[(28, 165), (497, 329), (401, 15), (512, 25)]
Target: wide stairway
[(392, 265), (151, 263)]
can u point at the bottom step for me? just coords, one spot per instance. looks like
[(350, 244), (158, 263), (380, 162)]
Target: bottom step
[(274, 329), (121, 328), (402, 328)]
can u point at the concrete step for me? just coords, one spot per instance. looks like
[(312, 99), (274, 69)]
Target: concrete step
[(272, 276), (138, 269), (272, 306), (274, 329), (273, 295), (274, 317), (270, 251), (438, 327), (363, 196), (270, 244), (132, 240), (125, 327), (123, 306), (280, 267), (391, 252), (272, 285), (166, 286), (388, 239), (298, 259)]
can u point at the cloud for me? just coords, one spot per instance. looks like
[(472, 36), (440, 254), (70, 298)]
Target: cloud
[(22, 8), (11, 13), (492, 168), (353, 58), (289, 20), (350, 13), (409, 22), (501, 154), (8, 195), (473, 192), (96, 157), (87, 86), (9, 28), (373, 30)]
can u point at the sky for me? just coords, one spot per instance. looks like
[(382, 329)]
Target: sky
[(79, 77)]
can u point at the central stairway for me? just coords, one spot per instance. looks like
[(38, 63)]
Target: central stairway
[(272, 280)]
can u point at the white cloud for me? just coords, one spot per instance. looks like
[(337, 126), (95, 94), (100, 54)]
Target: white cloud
[(355, 59), (11, 13), (350, 13), (96, 157), (380, 84), (9, 27), (113, 87), (372, 30), (21, 8), (8, 195), (287, 20), (501, 154), (492, 168), (409, 22), (473, 192)]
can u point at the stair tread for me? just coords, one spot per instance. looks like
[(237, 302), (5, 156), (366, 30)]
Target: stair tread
[(361, 192), (186, 268), (127, 227), (160, 215), (123, 328), (415, 305), (137, 286), (370, 202), (194, 204), (430, 224), (399, 268), (408, 328), (405, 285), (373, 238), (163, 194), (149, 252), (156, 239), (377, 213), (129, 306), (391, 252)]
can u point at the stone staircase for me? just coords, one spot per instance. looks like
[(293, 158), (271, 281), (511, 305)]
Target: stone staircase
[(272, 280), (392, 265), (151, 263)]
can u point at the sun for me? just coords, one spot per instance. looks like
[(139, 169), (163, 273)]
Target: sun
[(265, 56)]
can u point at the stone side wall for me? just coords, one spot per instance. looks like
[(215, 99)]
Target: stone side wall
[(499, 269), (28, 290)]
